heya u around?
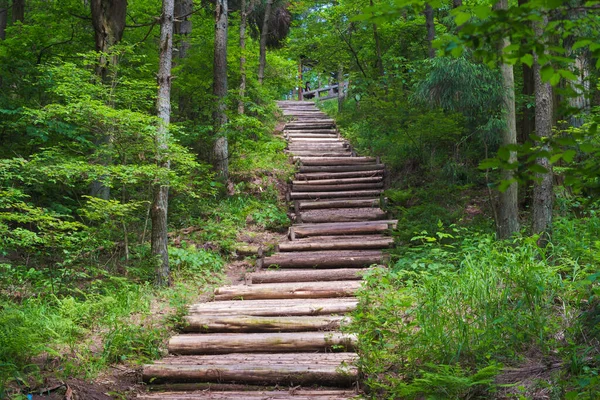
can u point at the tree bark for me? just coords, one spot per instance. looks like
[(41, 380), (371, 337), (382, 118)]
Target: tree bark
[(543, 195), (264, 33), (108, 20), (308, 275), (288, 290), (3, 18), (182, 30), (430, 25), (340, 94), (220, 151), (508, 210), (243, 23), (159, 241), (242, 323), (379, 61), (18, 11), (278, 307)]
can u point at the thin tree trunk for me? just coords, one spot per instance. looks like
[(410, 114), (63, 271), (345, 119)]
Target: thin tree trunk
[(508, 210), (160, 204), (182, 31), (220, 151), (18, 10), (243, 22), (580, 103), (108, 19), (527, 112), (379, 61), (300, 78), (429, 24), (3, 18), (263, 42), (340, 94), (543, 196)]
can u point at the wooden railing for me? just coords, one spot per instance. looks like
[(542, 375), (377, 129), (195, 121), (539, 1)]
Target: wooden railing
[(324, 93)]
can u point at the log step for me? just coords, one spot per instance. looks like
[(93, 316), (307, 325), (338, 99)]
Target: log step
[(341, 215), (325, 259), (307, 275), (294, 394), (246, 323), (340, 228), (338, 203), (290, 290), (324, 153), (259, 369), (337, 194), (335, 161), (313, 187), (350, 243), (299, 183), (276, 308), (317, 176), (340, 168), (225, 343)]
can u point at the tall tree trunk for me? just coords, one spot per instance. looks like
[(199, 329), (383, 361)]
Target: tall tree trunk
[(429, 24), (379, 60), (508, 209), (182, 29), (300, 79), (18, 10), (263, 42), (543, 195), (340, 94), (580, 103), (160, 202), (456, 3), (108, 19), (220, 151), (3, 18), (527, 113), (243, 23)]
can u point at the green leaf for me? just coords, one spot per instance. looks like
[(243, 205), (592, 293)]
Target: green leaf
[(489, 163), (461, 18), (565, 73), (555, 158), (482, 11), (569, 155), (581, 43), (547, 73), (538, 169), (555, 79), (527, 59)]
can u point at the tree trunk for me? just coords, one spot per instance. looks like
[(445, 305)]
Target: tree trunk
[(543, 196), (108, 19), (456, 3), (508, 210), (263, 42), (527, 113), (18, 11), (340, 94), (243, 22), (163, 108), (580, 103), (220, 151), (182, 31), (379, 61), (429, 24), (3, 18)]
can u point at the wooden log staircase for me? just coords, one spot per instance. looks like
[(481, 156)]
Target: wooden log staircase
[(278, 336)]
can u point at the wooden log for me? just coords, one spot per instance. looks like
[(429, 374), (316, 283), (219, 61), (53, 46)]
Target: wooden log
[(224, 343), (341, 228), (315, 153), (307, 275), (338, 203), (268, 358), (348, 244), (330, 195), (343, 375), (212, 393), (340, 168), (288, 290), (342, 215), (340, 181), (324, 139), (311, 131), (314, 187), (300, 126), (268, 308), (317, 176), (246, 323), (325, 259), (335, 161)]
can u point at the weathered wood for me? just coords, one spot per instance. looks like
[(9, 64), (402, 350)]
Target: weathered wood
[(308, 275), (314, 187), (338, 203), (335, 161), (309, 125), (214, 394), (342, 215), (268, 308), (325, 259), (330, 195), (224, 343), (246, 323), (258, 373), (326, 153), (288, 290), (342, 228), (317, 176), (340, 168), (348, 244), (342, 181)]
